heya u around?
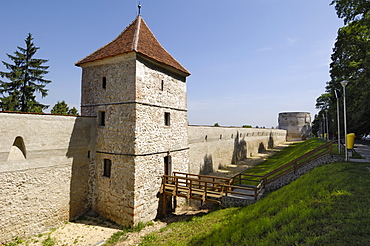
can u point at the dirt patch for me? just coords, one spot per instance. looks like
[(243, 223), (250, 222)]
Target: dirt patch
[(87, 231), (96, 230)]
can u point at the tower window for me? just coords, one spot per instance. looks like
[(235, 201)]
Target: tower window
[(101, 118), (167, 165), (167, 118), (107, 168), (162, 85), (104, 83)]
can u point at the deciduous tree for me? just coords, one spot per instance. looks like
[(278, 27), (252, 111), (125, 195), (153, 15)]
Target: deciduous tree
[(351, 62)]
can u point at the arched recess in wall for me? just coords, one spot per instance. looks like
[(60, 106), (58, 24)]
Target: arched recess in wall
[(18, 150)]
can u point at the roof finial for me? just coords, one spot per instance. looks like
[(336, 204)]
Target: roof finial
[(139, 7)]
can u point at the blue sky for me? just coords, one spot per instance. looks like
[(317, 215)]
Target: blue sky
[(249, 60)]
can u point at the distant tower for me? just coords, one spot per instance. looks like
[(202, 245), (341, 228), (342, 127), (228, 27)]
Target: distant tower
[(137, 91), (297, 124)]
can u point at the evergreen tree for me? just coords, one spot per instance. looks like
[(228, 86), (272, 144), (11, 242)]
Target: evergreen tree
[(62, 108), (25, 78)]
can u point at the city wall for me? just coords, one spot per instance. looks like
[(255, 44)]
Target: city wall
[(212, 148), (44, 171), (48, 173)]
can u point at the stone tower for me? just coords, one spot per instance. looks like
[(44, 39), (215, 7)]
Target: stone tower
[(137, 92), (297, 124)]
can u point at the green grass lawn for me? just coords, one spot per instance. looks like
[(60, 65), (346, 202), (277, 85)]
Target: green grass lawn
[(329, 205), (286, 155)]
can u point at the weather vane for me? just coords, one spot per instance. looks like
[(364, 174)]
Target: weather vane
[(139, 7)]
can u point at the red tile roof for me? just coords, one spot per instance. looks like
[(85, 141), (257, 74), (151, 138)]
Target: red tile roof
[(136, 37)]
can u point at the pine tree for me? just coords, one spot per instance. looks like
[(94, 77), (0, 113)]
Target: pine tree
[(25, 78)]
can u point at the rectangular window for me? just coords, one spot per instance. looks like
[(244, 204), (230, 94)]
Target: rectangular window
[(104, 83), (167, 119), (167, 165), (162, 85), (101, 118), (107, 168)]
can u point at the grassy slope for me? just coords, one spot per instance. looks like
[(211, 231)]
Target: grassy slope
[(327, 206), (286, 155)]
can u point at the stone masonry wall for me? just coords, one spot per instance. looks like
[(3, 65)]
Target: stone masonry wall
[(148, 172), (120, 77), (159, 86), (215, 147), (158, 91), (134, 138), (297, 124), (153, 136), (113, 196), (45, 181)]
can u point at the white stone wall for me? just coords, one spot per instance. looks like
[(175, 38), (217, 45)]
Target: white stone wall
[(152, 135), (149, 89), (120, 82), (50, 184), (58, 182), (214, 147), (135, 138), (118, 134), (114, 196), (148, 179), (154, 139)]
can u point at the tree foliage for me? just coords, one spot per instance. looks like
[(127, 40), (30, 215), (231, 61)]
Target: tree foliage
[(351, 10), (351, 62), (323, 101), (62, 108), (25, 78)]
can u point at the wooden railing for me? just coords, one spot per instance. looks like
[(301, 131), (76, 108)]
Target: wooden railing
[(255, 183), (292, 166), (211, 188), (203, 177), (244, 191), (197, 187), (205, 191), (204, 188)]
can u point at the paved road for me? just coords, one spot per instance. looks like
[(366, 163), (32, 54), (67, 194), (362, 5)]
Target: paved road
[(363, 148)]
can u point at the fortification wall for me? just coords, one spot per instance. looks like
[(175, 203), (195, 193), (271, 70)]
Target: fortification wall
[(49, 172), (44, 171), (214, 147)]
